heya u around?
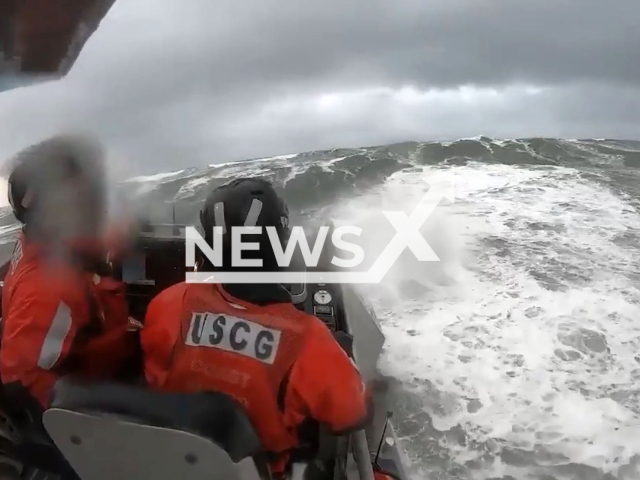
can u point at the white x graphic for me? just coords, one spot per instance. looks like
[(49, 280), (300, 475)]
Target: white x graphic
[(408, 233)]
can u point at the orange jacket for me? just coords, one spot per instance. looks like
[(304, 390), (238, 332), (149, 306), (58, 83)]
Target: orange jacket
[(283, 365), (57, 320)]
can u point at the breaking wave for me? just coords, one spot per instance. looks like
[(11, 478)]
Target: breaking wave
[(518, 354)]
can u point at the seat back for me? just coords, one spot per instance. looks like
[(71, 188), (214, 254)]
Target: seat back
[(101, 447), (108, 431)]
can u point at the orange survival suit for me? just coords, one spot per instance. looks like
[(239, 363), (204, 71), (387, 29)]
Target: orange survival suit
[(58, 319), (282, 364)]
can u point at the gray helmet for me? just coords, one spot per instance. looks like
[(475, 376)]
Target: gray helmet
[(57, 186), (250, 202)]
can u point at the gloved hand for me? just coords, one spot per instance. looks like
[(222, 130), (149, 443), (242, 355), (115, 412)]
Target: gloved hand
[(134, 325)]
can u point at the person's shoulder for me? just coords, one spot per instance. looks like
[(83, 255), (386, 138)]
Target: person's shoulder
[(38, 291), (171, 298), (312, 324), (47, 281), (294, 319), (172, 293)]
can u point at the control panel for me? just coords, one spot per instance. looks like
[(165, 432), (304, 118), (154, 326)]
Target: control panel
[(159, 263), (324, 301)]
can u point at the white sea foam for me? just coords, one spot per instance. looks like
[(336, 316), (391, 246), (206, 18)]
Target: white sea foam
[(263, 159), (189, 188), (155, 178), (532, 315)]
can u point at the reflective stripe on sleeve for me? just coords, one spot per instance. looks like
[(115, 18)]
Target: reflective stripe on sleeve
[(54, 341)]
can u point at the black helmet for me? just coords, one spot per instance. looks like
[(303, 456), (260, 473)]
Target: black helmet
[(249, 202), (56, 187)]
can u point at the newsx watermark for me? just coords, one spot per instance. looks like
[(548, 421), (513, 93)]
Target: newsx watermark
[(351, 255)]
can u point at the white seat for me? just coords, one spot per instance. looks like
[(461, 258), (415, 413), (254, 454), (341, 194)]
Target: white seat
[(107, 448)]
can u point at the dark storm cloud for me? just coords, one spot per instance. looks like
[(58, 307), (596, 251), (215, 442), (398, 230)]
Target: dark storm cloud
[(167, 83)]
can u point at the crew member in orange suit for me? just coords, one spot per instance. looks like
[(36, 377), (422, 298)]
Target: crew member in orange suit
[(249, 341), (61, 312)]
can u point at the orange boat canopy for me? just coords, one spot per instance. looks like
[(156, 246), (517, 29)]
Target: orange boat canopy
[(43, 38)]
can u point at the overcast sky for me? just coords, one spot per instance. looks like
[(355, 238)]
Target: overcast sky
[(170, 84)]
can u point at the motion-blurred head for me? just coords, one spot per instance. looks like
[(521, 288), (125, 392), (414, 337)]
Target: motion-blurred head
[(57, 189), (246, 202)]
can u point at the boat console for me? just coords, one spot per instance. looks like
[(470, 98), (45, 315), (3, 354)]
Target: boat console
[(159, 262)]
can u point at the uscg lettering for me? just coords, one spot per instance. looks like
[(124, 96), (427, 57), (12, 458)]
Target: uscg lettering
[(233, 334)]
